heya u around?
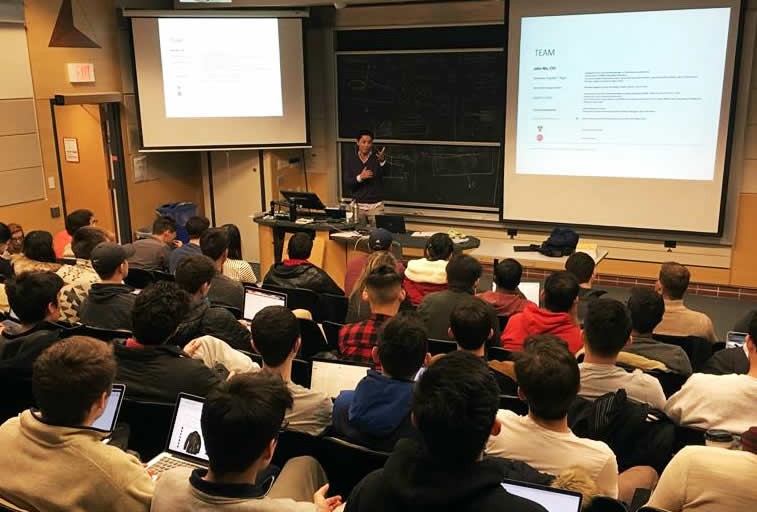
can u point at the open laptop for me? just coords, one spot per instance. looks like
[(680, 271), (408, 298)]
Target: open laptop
[(331, 377), (392, 223), (735, 339), (256, 299), (532, 290), (554, 500), (107, 421), (186, 446)]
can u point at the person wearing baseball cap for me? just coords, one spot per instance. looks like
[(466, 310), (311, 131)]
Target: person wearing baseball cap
[(110, 301), (379, 239)]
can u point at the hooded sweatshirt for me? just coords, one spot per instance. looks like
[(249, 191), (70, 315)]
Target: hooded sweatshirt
[(206, 320), (423, 277), (108, 306), (302, 275), (414, 480), (534, 320), (377, 413)]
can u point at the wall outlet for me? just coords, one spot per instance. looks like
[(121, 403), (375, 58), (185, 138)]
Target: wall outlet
[(51, 182)]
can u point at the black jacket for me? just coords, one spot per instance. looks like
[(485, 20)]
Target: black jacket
[(19, 350), (370, 190), (108, 306), (305, 275), (585, 297), (205, 320), (727, 361), (159, 374), (413, 481), (224, 291), (437, 307)]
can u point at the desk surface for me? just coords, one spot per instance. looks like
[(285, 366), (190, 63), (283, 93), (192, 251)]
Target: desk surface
[(491, 249), (411, 242), (264, 220)]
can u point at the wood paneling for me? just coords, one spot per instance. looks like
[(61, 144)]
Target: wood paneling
[(21, 186), (744, 269), (19, 151), (17, 117)]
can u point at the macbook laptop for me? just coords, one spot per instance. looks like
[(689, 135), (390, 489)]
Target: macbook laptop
[(532, 290), (391, 223), (186, 447), (107, 421), (256, 299), (331, 377), (554, 500), (735, 339)]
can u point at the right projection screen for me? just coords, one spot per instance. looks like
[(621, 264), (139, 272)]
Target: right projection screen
[(618, 112)]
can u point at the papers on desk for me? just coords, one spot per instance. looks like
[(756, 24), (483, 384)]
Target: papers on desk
[(590, 249), (347, 235)]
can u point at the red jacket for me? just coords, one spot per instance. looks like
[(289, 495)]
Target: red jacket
[(534, 320)]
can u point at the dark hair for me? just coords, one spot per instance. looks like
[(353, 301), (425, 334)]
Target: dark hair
[(507, 274), (214, 243), (402, 345), (158, 311), (439, 247), (85, 240), (454, 405), (383, 284), (5, 233), (78, 219), (240, 417), (163, 224), (70, 376), (30, 293), (235, 241), (470, 323), (38, 246), (607, 326), (548, 375), (581, 265), (194, 271), (647, 308), (674, 279), (300, 246), (560, 291), (463, 271), (753, 328), (196, 226), (275, 330), (363, 133)]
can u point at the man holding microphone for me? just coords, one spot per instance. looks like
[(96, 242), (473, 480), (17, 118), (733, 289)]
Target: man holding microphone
[(363, 172)]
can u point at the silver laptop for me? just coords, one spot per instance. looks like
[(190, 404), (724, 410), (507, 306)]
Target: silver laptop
[(107, 421), (186, 446), (256, 299), (554, 500), (332, 377)]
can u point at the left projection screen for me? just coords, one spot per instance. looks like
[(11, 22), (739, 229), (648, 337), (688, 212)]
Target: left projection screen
[(220, 82)]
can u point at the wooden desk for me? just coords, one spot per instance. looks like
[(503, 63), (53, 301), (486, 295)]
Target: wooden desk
[(496, 249)]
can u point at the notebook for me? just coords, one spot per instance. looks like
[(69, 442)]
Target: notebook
[(554, 500), (186, 446), (532, 290), (256, 299), (331, 377)]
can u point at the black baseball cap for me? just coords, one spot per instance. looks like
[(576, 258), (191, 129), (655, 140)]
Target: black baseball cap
[(380, 240), (107, 256)]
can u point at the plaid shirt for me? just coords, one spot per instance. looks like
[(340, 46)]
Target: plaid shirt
[(357, 340)]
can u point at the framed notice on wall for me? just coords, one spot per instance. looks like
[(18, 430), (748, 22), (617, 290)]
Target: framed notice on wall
[(71, 148)]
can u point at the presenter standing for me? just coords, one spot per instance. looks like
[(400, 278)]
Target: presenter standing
[(363, 173)]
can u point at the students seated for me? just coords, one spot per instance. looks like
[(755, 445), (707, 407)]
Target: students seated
[(74, 220), (37, 254), (195, 276), (507, 298), (384, 294), (678, 319), (152, 370), (728, 361), (582, 266), (647, 309), (454, 408), (298, 272), (52, 460), (607, 329), (428, 274), (463, 273), (224, 291), (33, 297), (153, 252), (80, 276), (359, 309), (708, 479), (276, 337), (6, 270), (16, 244), (109, 302), (235, 267), (548, 380), (558, 317), (241, 421), (470, 326), (195, 227), (379, 240), (719, 401)]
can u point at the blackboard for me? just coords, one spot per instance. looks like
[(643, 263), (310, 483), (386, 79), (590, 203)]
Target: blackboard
[(442, 175), (457, 96)]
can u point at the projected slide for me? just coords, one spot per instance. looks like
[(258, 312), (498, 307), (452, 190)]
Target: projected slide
[(622, 95), (220, 67)]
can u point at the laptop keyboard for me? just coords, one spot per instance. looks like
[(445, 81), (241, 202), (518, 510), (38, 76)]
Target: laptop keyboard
[(167, 463)]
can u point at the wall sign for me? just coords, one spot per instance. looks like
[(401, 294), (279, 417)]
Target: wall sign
[(71, 149)]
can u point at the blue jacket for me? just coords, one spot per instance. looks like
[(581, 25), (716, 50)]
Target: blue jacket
[(377, 413)]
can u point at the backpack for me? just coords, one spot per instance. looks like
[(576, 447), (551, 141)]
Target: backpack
[(561, 242)]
